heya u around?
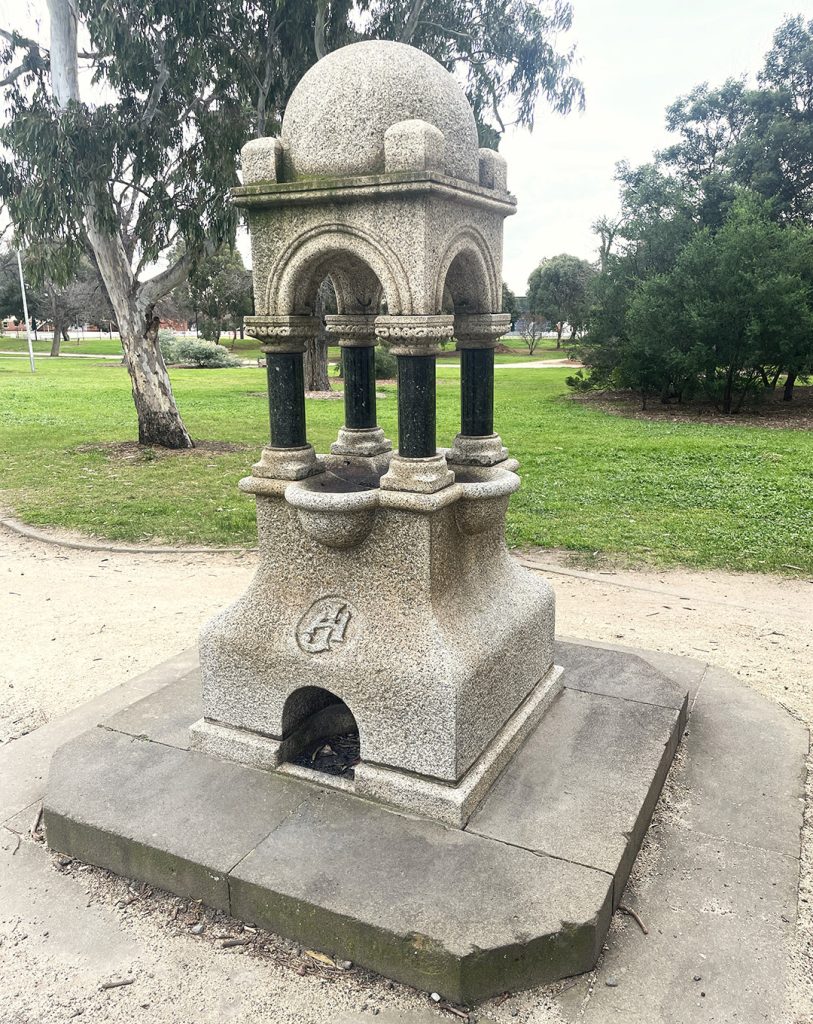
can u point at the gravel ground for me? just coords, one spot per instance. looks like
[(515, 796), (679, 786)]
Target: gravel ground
[(78, 622)]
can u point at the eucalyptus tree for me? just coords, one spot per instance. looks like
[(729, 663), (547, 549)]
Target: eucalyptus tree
[(559, 291), (122, 135)]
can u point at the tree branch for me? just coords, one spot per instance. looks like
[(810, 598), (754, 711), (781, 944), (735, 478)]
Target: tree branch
[(412, 21), (157, 88), (149, 292), (320, 29)]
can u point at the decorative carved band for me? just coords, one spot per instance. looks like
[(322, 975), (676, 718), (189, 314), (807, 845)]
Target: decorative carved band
[(353, 330), (280, 332), (480, 330), (415, 335)]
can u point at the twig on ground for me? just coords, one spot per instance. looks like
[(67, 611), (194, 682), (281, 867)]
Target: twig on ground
[(453, 1009), (634, 916), (229, 943), (116, 983), (17, 847)]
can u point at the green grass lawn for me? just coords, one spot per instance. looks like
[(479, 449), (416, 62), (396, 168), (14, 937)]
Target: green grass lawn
[(662, 493)]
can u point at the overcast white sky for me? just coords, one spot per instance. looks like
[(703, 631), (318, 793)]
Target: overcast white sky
[(636, 57)]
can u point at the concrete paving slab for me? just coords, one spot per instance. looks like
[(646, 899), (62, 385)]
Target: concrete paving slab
[(24, 762), (631, 677), (585, 784), (173, 818), (431, 906), (650, 972), (165, 716), (746, 773), (718, 914), (686, 673)]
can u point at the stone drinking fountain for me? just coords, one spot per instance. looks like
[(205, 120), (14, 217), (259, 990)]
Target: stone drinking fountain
[(385, 593), (479, 834)]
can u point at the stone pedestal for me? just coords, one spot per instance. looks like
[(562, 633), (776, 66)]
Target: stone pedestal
[(407, 609)]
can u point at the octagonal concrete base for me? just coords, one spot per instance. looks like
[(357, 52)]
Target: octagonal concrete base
[(523, 895)]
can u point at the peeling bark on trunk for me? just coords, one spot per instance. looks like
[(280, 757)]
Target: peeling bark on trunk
[(158, 419), (316, 378)]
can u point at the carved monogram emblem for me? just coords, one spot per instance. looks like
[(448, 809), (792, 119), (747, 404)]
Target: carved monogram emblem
[(324, 625)]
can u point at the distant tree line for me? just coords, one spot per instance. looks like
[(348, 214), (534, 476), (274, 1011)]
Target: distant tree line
[(704, 283)]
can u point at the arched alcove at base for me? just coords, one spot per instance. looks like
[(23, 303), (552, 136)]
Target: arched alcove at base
[(320, 733)]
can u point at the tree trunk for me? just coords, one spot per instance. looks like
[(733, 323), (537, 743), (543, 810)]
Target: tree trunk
[(159, 421), (57, 339), (316, 378), (790, 380), (728, 391), (559, 328)]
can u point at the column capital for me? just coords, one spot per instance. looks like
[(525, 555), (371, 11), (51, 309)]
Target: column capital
[(415, 334), (281, 332), (352, 330), (480, 330)]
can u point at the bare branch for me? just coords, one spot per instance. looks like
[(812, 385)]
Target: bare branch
[(412, 21), (157, 88), (149, 292), (12, 76)]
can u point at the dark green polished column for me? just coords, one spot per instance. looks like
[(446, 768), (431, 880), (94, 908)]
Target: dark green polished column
[(286, 398), (358, 368), (416, 406), (476, 391)]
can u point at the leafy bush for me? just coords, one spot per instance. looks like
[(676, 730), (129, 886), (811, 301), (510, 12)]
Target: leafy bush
[(203, 354), (386, 365), (168, 344)]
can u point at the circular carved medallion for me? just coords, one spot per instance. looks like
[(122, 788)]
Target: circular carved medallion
[(326, 625)]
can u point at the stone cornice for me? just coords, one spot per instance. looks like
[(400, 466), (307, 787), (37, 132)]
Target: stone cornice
[(415, 334), (281, 333), (480, 330)]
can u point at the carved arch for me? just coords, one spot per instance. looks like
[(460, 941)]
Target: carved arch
[(345, 254), (468, 273)]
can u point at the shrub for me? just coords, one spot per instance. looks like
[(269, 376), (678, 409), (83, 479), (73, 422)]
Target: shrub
[(168, 344), (204, 354)]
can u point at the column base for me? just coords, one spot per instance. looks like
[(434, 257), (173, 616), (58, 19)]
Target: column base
[(425, 476), (287, 463), (365, 442), (477, 451)]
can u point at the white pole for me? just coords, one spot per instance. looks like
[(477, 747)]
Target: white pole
[(25, 313)]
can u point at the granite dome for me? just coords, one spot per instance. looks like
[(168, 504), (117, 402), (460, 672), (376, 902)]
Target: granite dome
[(336, 118)]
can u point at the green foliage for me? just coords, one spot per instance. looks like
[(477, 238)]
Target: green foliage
[(206, 355), (509, 303), (220, 293), (559, 291), (706, 280), (168, 344)]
